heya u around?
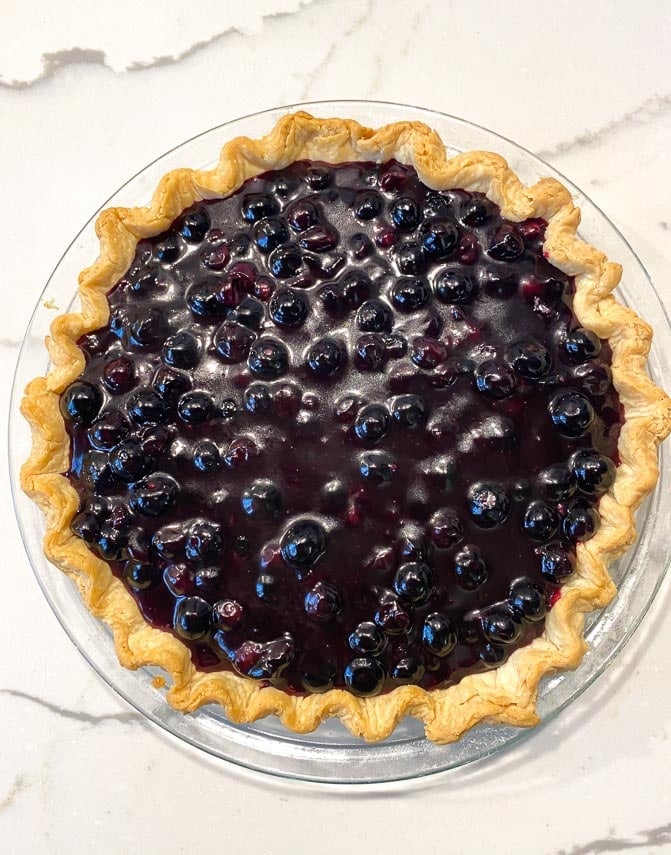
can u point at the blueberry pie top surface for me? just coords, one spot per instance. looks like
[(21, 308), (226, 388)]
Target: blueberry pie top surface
[(346, 428)]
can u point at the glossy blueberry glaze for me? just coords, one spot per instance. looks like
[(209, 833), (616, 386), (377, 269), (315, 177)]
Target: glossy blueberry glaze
[(343, 430)]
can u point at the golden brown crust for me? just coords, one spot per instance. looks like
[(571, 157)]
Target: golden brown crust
[(506, 694)]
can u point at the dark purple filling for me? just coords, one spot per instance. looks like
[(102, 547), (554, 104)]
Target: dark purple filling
[(343, 430)]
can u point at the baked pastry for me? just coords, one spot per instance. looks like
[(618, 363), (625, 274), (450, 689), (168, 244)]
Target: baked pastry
[(346, 427)]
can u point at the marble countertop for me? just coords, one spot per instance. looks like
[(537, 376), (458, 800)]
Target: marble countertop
[(87, 99)]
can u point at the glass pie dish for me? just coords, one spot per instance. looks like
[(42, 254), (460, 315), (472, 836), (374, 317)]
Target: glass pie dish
[(324, 753)]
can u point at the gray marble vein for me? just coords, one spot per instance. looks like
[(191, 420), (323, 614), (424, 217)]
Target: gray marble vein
[(19, 784), (645, 113), (647, 839), (55, 61), (334, 48), (75, 715)]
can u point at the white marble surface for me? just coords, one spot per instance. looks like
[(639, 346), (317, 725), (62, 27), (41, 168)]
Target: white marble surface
[(88, 95)]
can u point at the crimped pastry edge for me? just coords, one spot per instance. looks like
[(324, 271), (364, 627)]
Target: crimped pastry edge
[(506, 694)]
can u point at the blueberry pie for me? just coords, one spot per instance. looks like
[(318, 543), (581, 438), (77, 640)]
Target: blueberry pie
[(346, 427)]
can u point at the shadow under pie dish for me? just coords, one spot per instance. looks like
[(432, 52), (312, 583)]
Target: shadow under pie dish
[(337, 425)]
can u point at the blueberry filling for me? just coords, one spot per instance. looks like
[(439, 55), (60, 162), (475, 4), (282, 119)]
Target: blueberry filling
[(343, 431)]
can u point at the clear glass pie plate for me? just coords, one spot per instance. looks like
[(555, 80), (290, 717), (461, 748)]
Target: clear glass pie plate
[(331, 754)]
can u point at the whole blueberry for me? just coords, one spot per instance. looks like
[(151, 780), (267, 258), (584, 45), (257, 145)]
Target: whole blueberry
[(289, 307), (411, 258), (285, 261), (129, 462), (439, 238), (195, 225), (374, 316), (318, 676), (204, 541), (439, 635), (303, 543), (409, 411), (181, 350), (108, 430), (580, 345), (500, 625), (301, 215), (581, 522), (203, 301), (168, 250), (405, 214), (367, 205), (206, 456), (318, 178), (414, 582), (495, 379), (326, 357), (571, 413), (410, 293), (470, 568), (154, 495), (492, 655), (168, 541), (86, 526), (556, 483), (233, 341), (364, 676), (477, 211), (333, 494), (540, 521), (370, 352), (145, 407), (195, 407), (269, 234), (372, 423), (81, 402), (453, 286), (241, 452), (112, 543), (119, 375), (139, 576), (557, 562), (318, 238), (268, 358), (170, 383), (367, 639), (529, 359), (408, 670), (149, 329), (393, 617), (445, 528), (258, 206), (488, 503), (355, 286), (428, 352), (262, 500), (527, 599), (594, 473), (249, 312), (595, 378), (192, 618), (257, 398), (323, 601), (228, 615)]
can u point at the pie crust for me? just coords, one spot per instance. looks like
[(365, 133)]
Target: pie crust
[(506, 694)]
